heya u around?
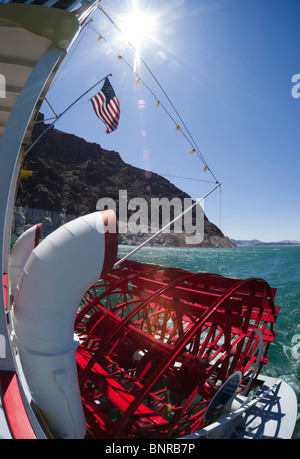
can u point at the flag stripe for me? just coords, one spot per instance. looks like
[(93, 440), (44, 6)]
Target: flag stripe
[(109, 112), (99, 100), (112, 114), (102, 109), (103, 112)]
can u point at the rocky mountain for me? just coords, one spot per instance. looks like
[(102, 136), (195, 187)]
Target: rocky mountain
[(69, 177)]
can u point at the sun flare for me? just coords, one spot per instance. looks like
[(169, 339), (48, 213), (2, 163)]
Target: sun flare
[(136, 27)]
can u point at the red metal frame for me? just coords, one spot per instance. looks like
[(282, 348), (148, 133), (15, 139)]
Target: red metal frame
[(157, 343), (18, 421)]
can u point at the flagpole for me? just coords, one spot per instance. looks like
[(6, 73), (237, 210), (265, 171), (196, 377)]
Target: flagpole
[(68, 108)]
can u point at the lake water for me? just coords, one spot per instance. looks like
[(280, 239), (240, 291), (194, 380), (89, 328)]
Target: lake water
[(279, 266)]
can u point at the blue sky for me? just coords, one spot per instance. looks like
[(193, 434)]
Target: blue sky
[(227, 67)]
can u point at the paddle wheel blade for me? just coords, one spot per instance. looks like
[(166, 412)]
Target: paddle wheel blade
[(156, 345)]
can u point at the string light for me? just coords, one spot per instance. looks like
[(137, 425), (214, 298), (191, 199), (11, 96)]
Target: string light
[(158, 104)]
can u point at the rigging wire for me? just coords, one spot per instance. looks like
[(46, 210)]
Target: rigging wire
[(139, 78), (219, 226), (159, 103), (82, 33), (65, 111), (190, 139), (198, 201), (186, 178)]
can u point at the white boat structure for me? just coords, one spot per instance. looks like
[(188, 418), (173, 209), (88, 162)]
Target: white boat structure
[(153, 352)]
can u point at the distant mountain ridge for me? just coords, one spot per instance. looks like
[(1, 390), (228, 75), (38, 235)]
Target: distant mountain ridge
[(70, 175), (256, 243)]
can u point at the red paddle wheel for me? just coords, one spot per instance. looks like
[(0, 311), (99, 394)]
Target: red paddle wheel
[(156, 344)]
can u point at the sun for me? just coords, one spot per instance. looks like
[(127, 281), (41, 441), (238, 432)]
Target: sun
[(136, 27)]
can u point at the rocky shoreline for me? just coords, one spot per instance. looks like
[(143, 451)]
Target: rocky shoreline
[(24, 218)]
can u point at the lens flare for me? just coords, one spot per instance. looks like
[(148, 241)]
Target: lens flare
[(136, 27)]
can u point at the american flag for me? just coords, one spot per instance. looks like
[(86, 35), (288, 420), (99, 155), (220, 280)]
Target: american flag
[(107, 106)]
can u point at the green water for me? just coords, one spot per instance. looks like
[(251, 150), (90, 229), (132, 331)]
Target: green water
[(279, 266)]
